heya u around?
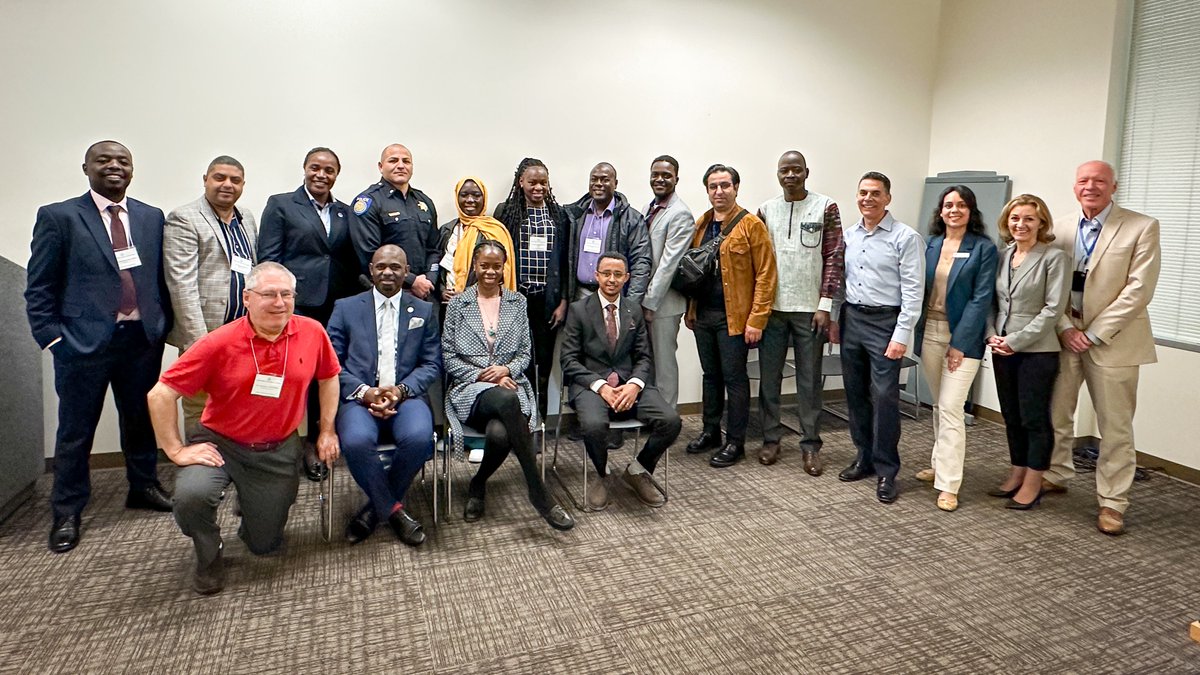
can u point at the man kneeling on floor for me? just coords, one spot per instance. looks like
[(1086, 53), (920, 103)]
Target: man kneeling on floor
[(256, 371), (606, 359)]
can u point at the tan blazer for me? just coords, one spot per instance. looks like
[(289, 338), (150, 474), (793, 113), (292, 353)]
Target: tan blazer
[(196, 266), (1122, 274), (1027, 309)]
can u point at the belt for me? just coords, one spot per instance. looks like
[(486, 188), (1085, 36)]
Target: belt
[(873, 309), (264, 447)]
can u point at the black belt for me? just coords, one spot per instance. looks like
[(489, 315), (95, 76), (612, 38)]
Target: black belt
[(873, 309)]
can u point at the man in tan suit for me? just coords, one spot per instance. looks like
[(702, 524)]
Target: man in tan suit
[(1105, 334), (208, 249)]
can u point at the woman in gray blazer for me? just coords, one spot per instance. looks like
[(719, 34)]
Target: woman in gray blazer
[(1031, 295), (485, 351)]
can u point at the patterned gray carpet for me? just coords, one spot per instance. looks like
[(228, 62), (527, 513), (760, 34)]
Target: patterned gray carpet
[(747, 569)]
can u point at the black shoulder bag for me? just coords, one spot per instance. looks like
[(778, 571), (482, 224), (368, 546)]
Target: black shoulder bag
[(697, 264)]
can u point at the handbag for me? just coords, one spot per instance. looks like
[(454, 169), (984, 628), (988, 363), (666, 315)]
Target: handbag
[(697, 264)]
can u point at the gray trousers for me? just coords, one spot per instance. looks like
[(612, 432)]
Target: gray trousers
[(664, 340), (266, 483), (791, 329)]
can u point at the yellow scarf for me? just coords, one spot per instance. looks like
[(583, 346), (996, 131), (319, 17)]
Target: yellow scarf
[(472, 227)]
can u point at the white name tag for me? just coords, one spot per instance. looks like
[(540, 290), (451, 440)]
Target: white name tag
[(591, 245), (269, 386), (964, 254), (240, 265), (540, 243), (127, 258), (447, 262)]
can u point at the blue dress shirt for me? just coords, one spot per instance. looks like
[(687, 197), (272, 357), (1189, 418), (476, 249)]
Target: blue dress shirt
[(886, 267)]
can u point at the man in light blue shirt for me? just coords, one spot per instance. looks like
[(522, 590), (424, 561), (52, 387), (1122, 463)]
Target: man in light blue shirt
[(885, 282)]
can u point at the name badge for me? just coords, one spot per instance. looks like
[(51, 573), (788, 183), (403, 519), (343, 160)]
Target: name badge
[(269, 386), (539, 243), (127, 258), (591, 245), (963, 254), (447, 261), (240, 265)]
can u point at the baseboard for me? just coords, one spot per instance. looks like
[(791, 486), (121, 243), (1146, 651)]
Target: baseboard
[(1184, 473)]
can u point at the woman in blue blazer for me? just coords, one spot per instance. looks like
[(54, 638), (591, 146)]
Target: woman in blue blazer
[(960, 279)]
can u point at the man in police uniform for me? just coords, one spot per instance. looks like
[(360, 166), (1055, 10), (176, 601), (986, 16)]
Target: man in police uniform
[(393, 212)]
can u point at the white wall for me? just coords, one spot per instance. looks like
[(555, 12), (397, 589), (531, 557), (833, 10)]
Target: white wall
[(470, 87)]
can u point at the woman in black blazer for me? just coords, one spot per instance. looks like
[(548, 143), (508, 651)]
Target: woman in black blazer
[(1031, 295), (960, 277)]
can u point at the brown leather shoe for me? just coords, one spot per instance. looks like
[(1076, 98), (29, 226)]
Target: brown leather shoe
[(768, 454), (1111, 521), (644, 489), (597, 494), (812, 462), (1047, 486)]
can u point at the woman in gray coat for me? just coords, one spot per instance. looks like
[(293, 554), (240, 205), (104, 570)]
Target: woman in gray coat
[(1031, 295), (486, 349)]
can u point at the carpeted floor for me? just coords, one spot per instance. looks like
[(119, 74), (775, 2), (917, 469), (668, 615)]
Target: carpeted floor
[(747, 569)]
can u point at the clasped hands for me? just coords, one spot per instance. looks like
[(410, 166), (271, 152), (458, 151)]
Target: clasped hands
[(381, 402), (500, 375), (621, 398)]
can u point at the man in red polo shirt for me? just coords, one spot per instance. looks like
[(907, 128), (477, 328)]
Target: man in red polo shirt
[(256, 371)]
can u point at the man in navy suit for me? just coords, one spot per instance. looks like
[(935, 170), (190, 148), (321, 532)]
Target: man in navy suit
[(390, 350), (97, 299)]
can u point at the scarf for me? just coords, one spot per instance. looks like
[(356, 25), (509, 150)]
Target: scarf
[(472, 227)]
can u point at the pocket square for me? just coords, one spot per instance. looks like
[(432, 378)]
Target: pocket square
[(415, 322)]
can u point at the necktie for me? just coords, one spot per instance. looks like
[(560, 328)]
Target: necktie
[(610, 328), (387, 345), (119, 242)]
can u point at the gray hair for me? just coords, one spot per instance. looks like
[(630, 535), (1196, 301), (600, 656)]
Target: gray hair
[(265, 267)]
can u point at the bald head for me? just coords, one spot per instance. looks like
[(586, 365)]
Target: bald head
[(389, 267), (792, 173), (396, 166), (1095, 185)]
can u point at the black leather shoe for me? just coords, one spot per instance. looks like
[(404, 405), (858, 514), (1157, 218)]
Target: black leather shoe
[(474, 509), (855, 472), (407, 528), (153, 498), (314, 468), (729, 455), (211, 579), (887, 491), (615, 439), (64, 534), (558, 518), (1003, 494), (704, 442), (362, 524)]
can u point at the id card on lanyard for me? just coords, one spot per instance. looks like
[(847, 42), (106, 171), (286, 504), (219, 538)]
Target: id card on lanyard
[(269, 386)]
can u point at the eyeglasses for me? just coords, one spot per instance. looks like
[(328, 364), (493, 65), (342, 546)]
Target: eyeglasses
[(609, 274), (286, 296)]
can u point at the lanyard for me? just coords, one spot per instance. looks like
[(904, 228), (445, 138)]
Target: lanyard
[(287, 345)]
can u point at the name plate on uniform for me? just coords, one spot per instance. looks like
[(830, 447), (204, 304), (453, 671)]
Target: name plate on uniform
[(539, 243), (240, 265), (127, 258), (269, 386), (591, 245)]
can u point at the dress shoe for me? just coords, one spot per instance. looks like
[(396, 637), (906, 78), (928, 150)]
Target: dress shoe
[(812, 462), (947, 502), (474, 508), (926, 475), (729, 455), (768, 454), (1111, 521), (407, 528), (644, 488), (615, 439), (1002, 493), (558, 518), (64, 534), (1047, 486), (211, 579), (704, 442), (887, 491), (314, 468), (597, 495), (153, 498), (1018, 506), (362, 524), (855, 472)]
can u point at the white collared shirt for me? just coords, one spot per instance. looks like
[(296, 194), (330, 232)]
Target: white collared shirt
[(102, 203), (386, 350), (324, 212), (604, 304)]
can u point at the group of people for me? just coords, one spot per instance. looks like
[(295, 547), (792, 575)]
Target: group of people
[(386, 310)]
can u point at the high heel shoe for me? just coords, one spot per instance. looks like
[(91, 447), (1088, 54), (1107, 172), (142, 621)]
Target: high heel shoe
[(1003, 494), (1018, 506)]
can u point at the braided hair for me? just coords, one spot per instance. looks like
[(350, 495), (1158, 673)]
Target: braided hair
[(515, 210)]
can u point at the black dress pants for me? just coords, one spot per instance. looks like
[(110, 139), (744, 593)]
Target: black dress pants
[(662, 426), (872, 383), (543, 347), (723, 362), (131, 365), (497, 411), (1023, 384)]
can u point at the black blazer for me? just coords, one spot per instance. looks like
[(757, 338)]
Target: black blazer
[(73, 287), (291, 233), (585, 356)]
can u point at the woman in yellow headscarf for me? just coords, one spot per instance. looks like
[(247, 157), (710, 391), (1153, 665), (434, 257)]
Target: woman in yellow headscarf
[(458, 239)]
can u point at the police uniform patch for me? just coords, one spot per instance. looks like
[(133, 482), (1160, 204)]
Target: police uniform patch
[(361, 205), (423, 207)]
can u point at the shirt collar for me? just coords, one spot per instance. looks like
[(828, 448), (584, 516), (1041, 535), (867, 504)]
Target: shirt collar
[(608, 209), (604, 303), (1100, 217), (102, 202), (247, 329), (884, 224), (313, 200), (380, 298)]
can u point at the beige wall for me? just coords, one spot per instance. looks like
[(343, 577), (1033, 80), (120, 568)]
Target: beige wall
[(471, 87)]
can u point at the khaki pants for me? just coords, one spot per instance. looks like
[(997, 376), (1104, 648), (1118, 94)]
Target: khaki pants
[(1114, 397), (950, 391)]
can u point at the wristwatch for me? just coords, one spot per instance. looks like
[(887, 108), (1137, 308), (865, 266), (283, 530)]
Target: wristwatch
[(405, 392), (358, 393)]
